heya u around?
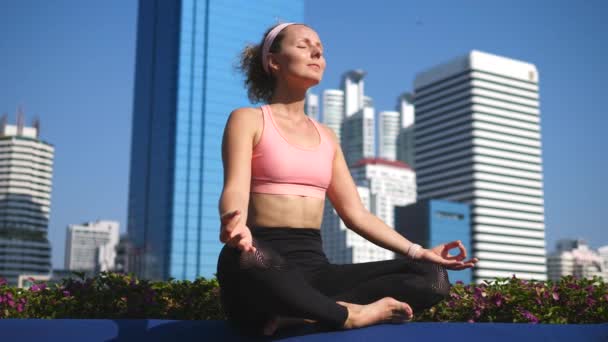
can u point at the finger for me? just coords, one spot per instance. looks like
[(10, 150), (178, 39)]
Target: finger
[(462, 251), (234, 239), (409, 311), (246, 246)]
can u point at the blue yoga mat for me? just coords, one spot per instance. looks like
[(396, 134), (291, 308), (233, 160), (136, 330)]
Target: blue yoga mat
[(64, 330)]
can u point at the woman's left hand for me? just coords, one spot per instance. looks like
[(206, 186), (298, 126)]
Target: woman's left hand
[(441, 255)]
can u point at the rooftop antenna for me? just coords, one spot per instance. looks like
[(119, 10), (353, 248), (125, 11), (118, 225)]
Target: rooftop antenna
[(36, 124), (3, 122), (20, 117)]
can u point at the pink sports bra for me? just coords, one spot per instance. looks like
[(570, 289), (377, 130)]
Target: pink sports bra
[(279, 167)]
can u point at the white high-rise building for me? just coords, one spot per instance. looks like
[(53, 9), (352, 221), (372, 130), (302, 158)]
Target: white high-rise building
[(357, 138), (92, 246), (389, 126), (477, 141), (368, 101), (405, 137), (354, 92), (382, 185), (574, 257), (26, 172), (311, 105), (333, 110)]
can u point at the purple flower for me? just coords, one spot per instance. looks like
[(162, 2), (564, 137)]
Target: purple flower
[(590, 301), (459, 282), (471, 321), (528, 315), (574, 286), (477, 313), (479, 293), (498, 299), (455, 295), (589, 289), (606, 297), (66, 293), (556, 296), (538, 301), (3, 281), (19, 307), (9, 296), (11, 303)]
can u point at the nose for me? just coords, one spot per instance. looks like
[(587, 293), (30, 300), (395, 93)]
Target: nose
[(316, 52)]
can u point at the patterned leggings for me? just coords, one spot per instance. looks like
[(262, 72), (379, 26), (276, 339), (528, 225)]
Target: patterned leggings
[(290, 276)]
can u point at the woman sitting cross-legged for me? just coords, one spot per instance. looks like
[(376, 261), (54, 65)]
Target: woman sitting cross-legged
[(279, 165)]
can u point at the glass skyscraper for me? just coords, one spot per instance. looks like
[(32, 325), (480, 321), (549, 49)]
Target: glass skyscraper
[(186, 85)]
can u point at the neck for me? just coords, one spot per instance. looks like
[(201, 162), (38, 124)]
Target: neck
[(290, 101)]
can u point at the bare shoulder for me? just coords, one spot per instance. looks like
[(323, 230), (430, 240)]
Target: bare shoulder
[(330, 132), (245, 118)]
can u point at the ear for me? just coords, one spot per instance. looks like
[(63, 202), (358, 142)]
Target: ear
[(273, 65)]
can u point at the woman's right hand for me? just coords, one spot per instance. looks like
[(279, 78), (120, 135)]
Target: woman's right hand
[(234, 233)]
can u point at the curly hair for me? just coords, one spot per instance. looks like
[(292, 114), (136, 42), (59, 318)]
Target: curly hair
[(260, 85)]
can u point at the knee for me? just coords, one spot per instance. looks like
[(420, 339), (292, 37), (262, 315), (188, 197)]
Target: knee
[(439, 283)]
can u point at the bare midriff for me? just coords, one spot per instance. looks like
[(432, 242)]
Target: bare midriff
[(270, 210)]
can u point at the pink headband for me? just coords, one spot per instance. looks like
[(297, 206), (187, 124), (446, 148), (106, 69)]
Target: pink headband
[(268, 43)]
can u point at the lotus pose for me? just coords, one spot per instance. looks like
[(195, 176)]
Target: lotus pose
[(279, 164)]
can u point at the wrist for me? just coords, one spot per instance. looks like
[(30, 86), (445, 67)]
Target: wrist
[(414, 251)]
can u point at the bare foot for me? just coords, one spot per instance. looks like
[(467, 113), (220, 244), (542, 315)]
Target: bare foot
[(385, 310)]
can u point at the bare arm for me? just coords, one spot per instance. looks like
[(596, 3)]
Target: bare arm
[(343, 194), (237, 145)]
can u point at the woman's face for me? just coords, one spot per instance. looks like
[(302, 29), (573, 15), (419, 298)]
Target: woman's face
[(301, 59)]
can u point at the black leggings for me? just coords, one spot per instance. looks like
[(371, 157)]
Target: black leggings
[(291, 276)]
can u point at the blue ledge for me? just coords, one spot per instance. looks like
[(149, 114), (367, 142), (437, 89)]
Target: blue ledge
[(164, 330)]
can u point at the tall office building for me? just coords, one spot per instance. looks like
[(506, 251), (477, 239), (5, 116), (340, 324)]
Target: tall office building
[(354, 94), (91, 246), (430, 223), (26, 173), (333, 110), (382, 185), (311, 105), (405, 137), (185, 88), (358, 138), (344, 246), (368, 101), (477, 141), (574, 257), (388, 131), (391, 183)]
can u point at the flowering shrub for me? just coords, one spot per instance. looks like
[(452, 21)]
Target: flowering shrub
[(113, 295), (570, 300), (116, 295)]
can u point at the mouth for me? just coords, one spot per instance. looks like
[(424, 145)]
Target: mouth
[(315, 66)]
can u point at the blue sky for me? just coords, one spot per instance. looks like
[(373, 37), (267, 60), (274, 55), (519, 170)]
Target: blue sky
[(70, 63)]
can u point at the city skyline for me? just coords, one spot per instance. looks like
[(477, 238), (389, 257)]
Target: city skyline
[(80, 84)]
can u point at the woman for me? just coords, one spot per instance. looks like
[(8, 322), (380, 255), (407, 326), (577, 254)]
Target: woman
[(278, 167)]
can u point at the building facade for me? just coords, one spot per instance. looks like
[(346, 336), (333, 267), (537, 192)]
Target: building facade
[(382, 185), (26, 173), (477, 141), (91, 246), (430, 223), (574, 257), (185, 88), (358, 136)]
